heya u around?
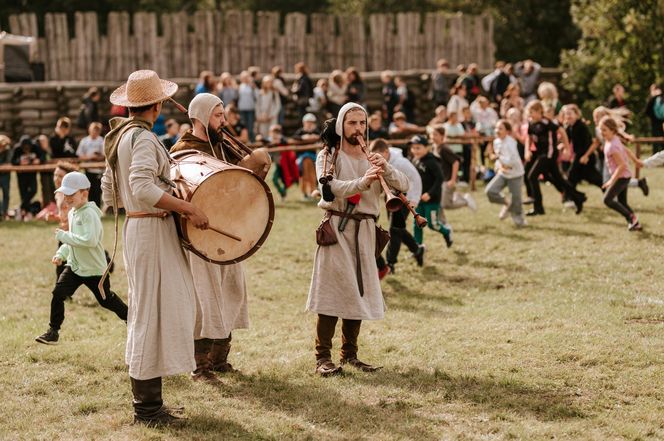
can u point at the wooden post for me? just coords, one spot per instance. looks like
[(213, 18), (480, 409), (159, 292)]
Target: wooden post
[(472, 179)]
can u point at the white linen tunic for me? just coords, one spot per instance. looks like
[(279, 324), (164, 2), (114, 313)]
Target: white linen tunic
[(334, 289), (160, 322)]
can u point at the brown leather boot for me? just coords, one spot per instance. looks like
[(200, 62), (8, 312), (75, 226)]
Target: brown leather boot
[(218, 355), (203, 373), (149, 407), (350, 331), (326, 368), (325, 325)]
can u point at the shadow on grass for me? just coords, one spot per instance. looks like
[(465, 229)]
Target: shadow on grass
[(492, 394), (648, 236), (515, 236), (409, 299), (561, 230), (208, 427), (322, 404)]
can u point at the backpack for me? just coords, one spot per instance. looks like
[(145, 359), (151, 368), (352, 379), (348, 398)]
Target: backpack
[(658, 107)]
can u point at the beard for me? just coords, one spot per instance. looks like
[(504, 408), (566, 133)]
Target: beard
[(214, 136), (352, 140)]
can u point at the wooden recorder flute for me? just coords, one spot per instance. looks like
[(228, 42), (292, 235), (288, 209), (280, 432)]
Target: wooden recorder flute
[(395, 195)]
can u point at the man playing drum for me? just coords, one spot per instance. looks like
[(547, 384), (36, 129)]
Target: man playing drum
[(221, 296), (161, 315), (345, 278)]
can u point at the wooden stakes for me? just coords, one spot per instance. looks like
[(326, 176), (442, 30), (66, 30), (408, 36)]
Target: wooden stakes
[(233, 40)]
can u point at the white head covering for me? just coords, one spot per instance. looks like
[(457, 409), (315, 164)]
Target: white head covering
[(201, 107), (339, 127)]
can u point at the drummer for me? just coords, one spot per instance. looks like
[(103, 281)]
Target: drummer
[(221, 296)]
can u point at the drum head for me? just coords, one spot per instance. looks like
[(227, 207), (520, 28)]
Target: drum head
[(236, 202)]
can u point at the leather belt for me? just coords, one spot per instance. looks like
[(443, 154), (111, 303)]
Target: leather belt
[(140, 214), (358, 217)]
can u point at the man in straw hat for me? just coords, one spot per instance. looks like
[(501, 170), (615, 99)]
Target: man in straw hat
[(161, 304), (345, 281), (221, 296)]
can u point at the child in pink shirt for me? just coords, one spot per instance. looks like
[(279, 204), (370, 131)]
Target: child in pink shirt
[(615, 156)]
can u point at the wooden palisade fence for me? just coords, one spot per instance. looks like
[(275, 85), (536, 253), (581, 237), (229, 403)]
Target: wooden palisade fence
[(178, 45)]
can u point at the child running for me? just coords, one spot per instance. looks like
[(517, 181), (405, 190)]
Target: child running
[(615, 156), (543, 134), (509, 173), (450, 163), (84, 254), (432, 179)]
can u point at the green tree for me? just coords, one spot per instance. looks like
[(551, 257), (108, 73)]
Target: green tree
[(622, 42)]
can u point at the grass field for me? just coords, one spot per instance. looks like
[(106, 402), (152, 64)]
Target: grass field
[(554, 331)]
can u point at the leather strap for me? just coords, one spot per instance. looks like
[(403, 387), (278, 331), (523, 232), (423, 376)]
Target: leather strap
[(358, 217), (140, 214)]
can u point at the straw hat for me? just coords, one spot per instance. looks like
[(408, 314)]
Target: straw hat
[(142, 89)]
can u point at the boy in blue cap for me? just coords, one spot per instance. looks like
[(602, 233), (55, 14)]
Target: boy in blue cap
[(83, 253)]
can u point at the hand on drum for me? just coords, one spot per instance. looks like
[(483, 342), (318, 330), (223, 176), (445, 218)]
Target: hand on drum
[(197, 217)]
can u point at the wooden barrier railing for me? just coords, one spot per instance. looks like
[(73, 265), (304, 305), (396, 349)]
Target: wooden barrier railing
[(474, 141)]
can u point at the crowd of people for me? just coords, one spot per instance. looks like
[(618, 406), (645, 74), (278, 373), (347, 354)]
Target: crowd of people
[(182, 308), (466, 106)]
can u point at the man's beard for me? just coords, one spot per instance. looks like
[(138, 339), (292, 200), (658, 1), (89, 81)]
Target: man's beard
[(214, 136), (352, 140)]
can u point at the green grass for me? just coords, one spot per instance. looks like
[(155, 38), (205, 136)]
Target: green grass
[(552, 331)]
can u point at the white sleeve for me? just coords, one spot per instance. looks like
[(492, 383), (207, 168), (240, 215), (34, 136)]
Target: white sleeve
[(655, 160)]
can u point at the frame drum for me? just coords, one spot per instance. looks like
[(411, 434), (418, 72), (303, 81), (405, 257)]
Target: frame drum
[(237, 202)]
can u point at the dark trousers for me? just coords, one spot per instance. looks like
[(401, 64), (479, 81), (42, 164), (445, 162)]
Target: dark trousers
[(398, 235), (27, 187), (616, 198), (467, 152), (4, 186), (350, 330), (69, 282), (588, 172), (547, 166), (47, 188), (657, 132), (529, 188), (95, 187)]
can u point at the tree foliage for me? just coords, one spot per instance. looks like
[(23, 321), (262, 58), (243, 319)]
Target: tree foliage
[(622, 42)]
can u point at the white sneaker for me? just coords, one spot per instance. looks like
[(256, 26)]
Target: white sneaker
[(519, 221), (471, 201), (568, 204), (504, 212)]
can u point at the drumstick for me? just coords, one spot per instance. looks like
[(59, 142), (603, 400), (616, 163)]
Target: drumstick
[(224, 233)]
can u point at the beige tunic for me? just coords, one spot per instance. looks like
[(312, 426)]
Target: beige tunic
[(221, 294), (334, 290), (221, 298), (160, 322)]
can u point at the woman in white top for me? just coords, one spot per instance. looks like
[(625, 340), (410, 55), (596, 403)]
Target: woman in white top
[(268, 105), (336, 91), (509, 173), (458, 101)]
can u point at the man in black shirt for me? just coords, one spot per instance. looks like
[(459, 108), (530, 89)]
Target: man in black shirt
[(62, 144), (390, 96)]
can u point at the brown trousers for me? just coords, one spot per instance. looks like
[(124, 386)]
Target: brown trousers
[(350, 330)]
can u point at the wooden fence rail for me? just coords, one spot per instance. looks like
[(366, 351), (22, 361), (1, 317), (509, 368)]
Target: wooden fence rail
[(180, 45)]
